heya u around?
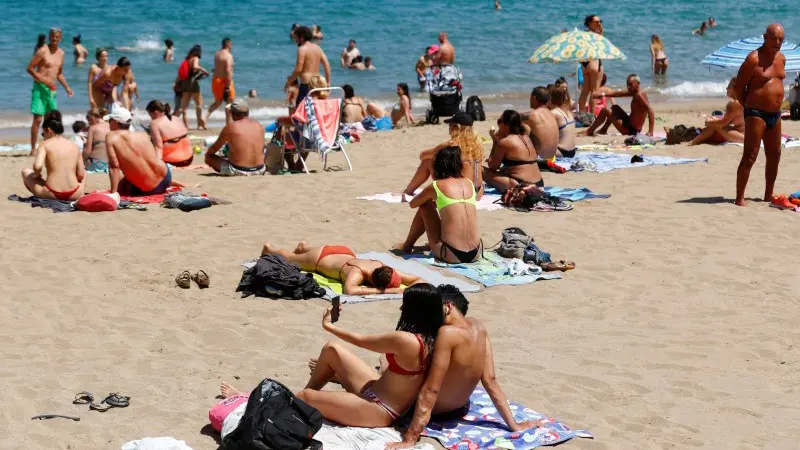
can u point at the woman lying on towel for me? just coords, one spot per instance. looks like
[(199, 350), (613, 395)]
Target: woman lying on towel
[(728, 128), (340, 263), (462, 136), (446, 211)]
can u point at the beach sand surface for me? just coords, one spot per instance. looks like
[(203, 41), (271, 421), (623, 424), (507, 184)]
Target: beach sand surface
[(678, 329)]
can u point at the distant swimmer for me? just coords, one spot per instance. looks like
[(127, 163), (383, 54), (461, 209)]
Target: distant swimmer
[(629, 125), (317, 34), (309, 59), (658, 56), (79, 50), (169, 53), (423, 63), (46, 67), (712, 23), (368, 63), (62, 160), (759, 88), (446, 53), (222, 82), (349, 54), (130, 89), (497, 5), (701, 31), (105, 82), (360, 63), (252, 93)]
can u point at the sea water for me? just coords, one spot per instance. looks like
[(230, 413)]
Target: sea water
[(492, 47)]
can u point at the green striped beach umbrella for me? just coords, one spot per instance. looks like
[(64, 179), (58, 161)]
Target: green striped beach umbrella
[(575, 46)]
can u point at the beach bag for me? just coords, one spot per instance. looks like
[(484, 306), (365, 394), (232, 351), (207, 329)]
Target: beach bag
[(523, 195), (584, 119), (219, 412), (97, 202), (274, 419), (183, 70), (475, 109), (680, 134), (513, 242)]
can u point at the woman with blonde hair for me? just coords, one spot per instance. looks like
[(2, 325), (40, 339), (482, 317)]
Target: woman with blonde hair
[(562, 110), (462, 136), (658, 56), (318, 82)]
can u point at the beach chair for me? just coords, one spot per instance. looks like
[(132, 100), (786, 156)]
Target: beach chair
[(318, 123)]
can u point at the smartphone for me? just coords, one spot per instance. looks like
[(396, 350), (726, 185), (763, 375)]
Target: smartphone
[(335, 303)]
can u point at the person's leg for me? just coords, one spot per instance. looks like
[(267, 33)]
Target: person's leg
[(620, 119), (704, 135), (35, 185), (415, 231), (497, 180), (185, 97), (307, 260), (198, 104), (213, 108), (433, 226), (593, 80), (585, 89), (336, 359), (753, 133), (664, 66), (731, 135), (346, 409), (420, 176), (215, 162), (37, 122), (772, 150), (600, 120)]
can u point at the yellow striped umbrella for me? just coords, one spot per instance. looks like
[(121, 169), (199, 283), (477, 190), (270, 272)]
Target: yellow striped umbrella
[(576, 46)]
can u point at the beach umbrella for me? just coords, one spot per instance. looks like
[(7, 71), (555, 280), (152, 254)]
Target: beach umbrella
[(575, 46), (734, 54)]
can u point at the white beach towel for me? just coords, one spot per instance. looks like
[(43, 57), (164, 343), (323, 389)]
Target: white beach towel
[(486, 203), (157, 443)]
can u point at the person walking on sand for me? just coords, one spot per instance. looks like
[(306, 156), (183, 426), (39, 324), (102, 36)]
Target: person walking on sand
[(222, 81), (446, 53), (309, 58), (759, 88), (65, 171), (46, 67)]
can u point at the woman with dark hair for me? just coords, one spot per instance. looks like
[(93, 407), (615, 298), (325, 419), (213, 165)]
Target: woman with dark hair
[(592, 70), (190, 72), (402, 109), (356, 109), (104, 83), (169, 135), (40, 41), (447, 213), (513, 157), (61, 160), (79, 50), (101, 56)]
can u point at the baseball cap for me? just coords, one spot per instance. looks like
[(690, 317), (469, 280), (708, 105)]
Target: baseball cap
[(239, 106), (461, 118), (118, 114), (434, 48)]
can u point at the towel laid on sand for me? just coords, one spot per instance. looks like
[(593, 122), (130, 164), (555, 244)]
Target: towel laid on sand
[(15, 148), (66, 206), (335, 437), (606, 162), (486, 203), (491, 270), (574, 195), (482, 427)]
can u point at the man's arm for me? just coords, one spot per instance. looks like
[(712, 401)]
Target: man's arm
[(114, 172), (222, 139), (62, 79), (38, 161), (745, 75), (298, 67), (651, 114), (229, 71), (326, 67), (157, 139), (35, 61)]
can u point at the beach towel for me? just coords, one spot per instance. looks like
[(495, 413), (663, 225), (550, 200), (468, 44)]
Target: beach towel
[(606, 162), (319, 119), (574, 195), (491, 270), (483, 427), (156, 443), (786, 142), (15, 148), (486, 203), (157, 198), (59, 206)]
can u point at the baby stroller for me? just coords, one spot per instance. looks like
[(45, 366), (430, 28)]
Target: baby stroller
[(444, 86)]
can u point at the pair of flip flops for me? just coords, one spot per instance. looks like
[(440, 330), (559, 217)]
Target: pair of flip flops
[(561, 265), (185, 278), (114, 400)]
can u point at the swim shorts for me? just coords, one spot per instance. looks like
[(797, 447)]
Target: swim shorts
[(218, 88), (43, 100), (162, 187), (302, 93), (227, 169)]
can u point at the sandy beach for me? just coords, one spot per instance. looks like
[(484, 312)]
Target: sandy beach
[(678, 328)]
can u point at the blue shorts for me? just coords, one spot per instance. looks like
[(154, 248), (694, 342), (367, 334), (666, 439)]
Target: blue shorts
[(302, 93), (160, 189)]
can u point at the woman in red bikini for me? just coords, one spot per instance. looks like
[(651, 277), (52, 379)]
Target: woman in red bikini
[(340, 263), (66, 174)]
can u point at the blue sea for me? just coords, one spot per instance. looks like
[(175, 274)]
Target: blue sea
[(492, 46)]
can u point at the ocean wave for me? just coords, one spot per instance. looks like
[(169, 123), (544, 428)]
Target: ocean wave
[(144, 43), (696, 89)]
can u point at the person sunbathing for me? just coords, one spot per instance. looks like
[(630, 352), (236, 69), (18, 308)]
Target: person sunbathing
[(513, 157), (462, 358), (245, 139), (340, 263), (169, 135), (447, 212), (66, 174), (462, 136), (728, 128), (374, 399), (629, 125)]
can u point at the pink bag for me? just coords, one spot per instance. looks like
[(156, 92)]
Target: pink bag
[(220, 411)]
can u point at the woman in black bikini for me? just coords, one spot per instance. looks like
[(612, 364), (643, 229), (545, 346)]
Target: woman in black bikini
[(658, 56), (592, 70), (513, 157)]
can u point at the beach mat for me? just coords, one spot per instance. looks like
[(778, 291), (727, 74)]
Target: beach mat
[(15, 148), (606, 162), (490, 270), (157, 198), (482, 427)]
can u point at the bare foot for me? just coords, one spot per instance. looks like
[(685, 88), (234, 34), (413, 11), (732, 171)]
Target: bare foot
[(401, 246), (739, 202), (268, 249), (312, 365), (227, 391), (302, 247)]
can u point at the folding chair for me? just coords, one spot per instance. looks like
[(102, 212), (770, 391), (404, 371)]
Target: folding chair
[(318, 123)]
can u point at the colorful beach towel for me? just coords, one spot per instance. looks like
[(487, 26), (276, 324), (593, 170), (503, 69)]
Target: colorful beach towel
[(606, 162), (491, 270), (319, 119), (483, 428), (157, 198), (58, 206)]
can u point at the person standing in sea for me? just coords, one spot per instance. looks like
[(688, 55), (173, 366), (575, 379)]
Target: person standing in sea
[(46, 67), (446, 53), (592, 69), (759, 88), (222, 81), (309, 58)]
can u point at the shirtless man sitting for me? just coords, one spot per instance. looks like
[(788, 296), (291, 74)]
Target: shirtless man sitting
[(309, 58), (542, 125), (340, 263), (462, 357), (759, 88), (446, 53), (66, 174), (134, 169), (245, 139), (104, 84), (629, 125)]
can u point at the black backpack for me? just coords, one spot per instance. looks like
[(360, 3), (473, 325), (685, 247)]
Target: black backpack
[(475, 108), (275, 419)]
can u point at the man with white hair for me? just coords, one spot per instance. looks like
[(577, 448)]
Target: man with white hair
[(632, 124)]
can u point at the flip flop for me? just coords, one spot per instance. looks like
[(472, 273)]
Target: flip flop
[(83, 398), (117, 401), (561, 265), (99, 407), (184, 279), (202, 280), (781, 202)]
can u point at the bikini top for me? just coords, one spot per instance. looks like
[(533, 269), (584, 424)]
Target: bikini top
[(443, 201), (515, 162), (564, 115), (396, 282), (395, 368)]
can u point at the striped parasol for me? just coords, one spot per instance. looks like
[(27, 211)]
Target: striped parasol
[(575, 46), (734, 54)]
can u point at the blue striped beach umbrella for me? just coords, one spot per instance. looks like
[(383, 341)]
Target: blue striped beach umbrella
[(734, 54)]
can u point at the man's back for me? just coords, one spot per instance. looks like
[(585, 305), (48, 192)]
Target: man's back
[(446, 53), (467, 363), (246, 140), (312, 58), (134, 154), (544, 132), (221, 60)]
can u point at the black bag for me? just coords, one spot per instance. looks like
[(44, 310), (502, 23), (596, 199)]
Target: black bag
[(475, 108), (275, 419), (274, 276)]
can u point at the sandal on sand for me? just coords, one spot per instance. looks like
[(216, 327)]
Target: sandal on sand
[(781, 202), (117, 401), (184, 279), (562, 266), (83, 398), (201, 278), (99, 407)]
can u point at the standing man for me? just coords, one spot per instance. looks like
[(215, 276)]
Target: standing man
[(349, 54), (446, 53), (759, 88), (309, 57), (222, 82), (45, 68)]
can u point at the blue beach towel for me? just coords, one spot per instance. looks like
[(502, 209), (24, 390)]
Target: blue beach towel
[(606, 162), (491, 270), (482, 427), (566, 194)]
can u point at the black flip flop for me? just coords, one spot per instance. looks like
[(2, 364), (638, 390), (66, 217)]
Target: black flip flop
[(117, 401), (83, 398)]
